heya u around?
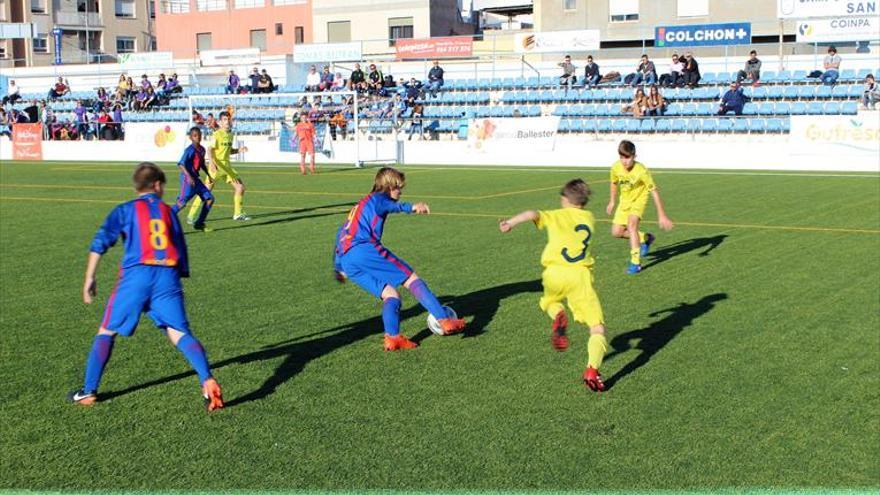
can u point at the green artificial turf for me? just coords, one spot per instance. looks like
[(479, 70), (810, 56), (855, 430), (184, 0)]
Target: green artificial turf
[(745, 356)]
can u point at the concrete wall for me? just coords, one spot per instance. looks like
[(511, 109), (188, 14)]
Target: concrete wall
[(369, 19)]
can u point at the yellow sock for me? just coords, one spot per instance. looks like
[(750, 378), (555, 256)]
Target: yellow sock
[(194, 209), (596, 349), (554, 309), (641, 237), (634, 257), (236, 199)]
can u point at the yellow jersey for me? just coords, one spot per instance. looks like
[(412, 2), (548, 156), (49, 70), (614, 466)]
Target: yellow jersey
[(634, 184), (222, 146), (569, 231)]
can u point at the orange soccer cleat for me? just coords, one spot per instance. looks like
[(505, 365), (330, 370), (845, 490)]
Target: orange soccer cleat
[(451, 325), (593, 380), (212, 394), (558, 339), (398, 343)]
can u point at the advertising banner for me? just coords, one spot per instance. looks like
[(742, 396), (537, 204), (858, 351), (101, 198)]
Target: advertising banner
[(838, 30), (557, 41), (56, 42), (735, 33), (146, 60), (27, 142), (327, 52), (487, 135), (156, 141), (845, 134), (806, 9), (241, 56), (433, 48)]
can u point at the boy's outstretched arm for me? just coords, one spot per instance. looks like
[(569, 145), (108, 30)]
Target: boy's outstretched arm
[(90, 286), (610, 208), (662, 220), (510, 223)]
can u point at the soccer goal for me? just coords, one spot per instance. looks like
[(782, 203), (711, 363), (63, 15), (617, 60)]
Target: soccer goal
[(350, 127)]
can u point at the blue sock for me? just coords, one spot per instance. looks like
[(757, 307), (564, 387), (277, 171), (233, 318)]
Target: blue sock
[(391, 315), (102, 346), (427, 298), (194, 353)]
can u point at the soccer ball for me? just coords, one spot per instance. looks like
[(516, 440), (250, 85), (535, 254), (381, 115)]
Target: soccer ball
[(434, 325)]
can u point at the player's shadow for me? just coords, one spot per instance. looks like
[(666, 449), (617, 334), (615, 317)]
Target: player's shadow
[(482, 305), (707, 244), (286, 216), (658, 334)]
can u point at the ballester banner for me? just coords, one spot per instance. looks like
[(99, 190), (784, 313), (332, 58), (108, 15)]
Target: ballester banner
[(434, 48), (27, 142)]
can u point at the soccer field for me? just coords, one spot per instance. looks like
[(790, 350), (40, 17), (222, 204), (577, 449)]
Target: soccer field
[(745, 356)]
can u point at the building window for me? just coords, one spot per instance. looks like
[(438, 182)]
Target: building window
[(339, 32), (298, 35), (258, 39), (624, 10), (203, 41), (124, 44), (152, 43), (693, 8), (41, 44), (289, 2), (2, 48), (174, 6), (569, 4), (209, 5), (125, 8), (88, 6), (279, 29), (249, 4), (399, 27), (38, 6), (152, 7)]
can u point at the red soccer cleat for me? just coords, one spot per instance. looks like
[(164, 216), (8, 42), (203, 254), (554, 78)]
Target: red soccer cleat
[(451, 325), (212, 394), (593, 380), (558, 339), (398, 343)]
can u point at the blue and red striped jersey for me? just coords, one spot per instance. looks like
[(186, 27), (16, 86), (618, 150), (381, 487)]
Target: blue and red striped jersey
[(150, 231), (193, 160), (366, 221)]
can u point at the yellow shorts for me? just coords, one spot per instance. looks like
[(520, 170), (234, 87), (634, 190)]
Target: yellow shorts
[(576, 285), (224, 171), (623, 212)]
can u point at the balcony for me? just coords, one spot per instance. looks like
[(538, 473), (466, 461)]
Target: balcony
[(78, 19)]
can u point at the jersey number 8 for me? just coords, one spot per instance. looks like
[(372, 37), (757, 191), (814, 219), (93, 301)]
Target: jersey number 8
[(158, 234)]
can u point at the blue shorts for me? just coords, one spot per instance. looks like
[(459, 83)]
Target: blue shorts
[(188, 191), (155, 290), (372, 267)]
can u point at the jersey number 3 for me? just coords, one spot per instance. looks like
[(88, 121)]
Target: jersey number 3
[(158, 234), (583, 253)]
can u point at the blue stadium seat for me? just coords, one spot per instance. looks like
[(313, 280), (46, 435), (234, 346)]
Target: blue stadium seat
[(598, 94), (774, 125), (672, 94), (783, 76), (726, 124), (705, 108), (786, 124), (740, 125), (710, 125), (855, 90), (646, 125), (849, 108), (603, 125), (673, 109), (633, 125), (694, 125), (848, 74), (823, 91), (782, 108), (860, 76), (807, 92), (560, 110), (565, 125), (839, 91), (750, 109), (798, 108), (757, 125), (799, 75), (832, 108), (590, 125), (678, 125), (662, 125), (815, 108), (775, 92), (769, 76), (790, 92), (618, 125), (689, 109)]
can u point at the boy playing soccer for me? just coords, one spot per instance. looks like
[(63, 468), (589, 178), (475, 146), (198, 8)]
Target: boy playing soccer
[(305, 134), (191, 164), (221, 168), (568, 273), (361, 257), (149, 282), (634, 182)]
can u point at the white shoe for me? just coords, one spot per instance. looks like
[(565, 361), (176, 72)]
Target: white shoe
[(190, 221), (241, 218)]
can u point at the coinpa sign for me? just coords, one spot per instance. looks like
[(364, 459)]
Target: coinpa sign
[(737, 33), (839, 30)]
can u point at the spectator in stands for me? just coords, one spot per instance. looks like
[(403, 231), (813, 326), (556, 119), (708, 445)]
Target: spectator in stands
[(160, 86), (326, 79), (117, 121), (150, 102), (211, 123), (139, 99), (60, 89), (691, 72), (413, 90), (339, 83), (435, 79), (638, 106), (313, 79), (357, 80), (105, 127), (733, 100), (646, 72), (132, 89), (122, 88), (338, 123), (102, 100), (752, 70), (871, 94), (656, 102), (832, 66), (255, 79), (79, 113), (266, 82), (387, 84), (375, 79), (416, 122), (591, 73), (12, 93), (173, 85), (568, 78), (145, 82), (5, 126), (233, 83), (45, 116), (673, 77)]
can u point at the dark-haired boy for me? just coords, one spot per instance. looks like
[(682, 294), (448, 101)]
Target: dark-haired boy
[(191, 164), (568, 273)]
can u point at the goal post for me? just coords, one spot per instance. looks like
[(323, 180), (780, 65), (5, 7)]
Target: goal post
[(367, 136)]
